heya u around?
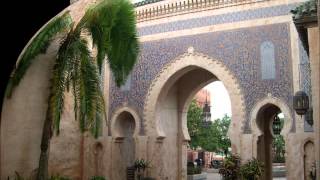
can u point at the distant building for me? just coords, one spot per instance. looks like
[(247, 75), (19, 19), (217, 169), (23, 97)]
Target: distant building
[(203, 100), (202, 96)]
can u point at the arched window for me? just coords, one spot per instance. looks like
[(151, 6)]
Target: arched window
[(268, 64)]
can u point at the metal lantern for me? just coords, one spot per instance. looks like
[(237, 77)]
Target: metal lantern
[(276, 125), (301, 102)]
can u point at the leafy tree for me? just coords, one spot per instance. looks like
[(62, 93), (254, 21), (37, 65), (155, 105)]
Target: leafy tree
[(221, 127), (278, 146), (111, 27), (194, 124), (212, 138)]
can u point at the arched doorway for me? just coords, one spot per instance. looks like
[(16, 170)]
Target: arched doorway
[(124, 129), (166, 109), (265, 119), (308, 159), (263, 116)]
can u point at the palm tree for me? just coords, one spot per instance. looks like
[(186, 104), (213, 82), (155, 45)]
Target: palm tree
[(110, 25)]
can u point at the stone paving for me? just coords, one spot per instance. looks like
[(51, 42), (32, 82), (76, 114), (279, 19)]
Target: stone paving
[(213, 176)]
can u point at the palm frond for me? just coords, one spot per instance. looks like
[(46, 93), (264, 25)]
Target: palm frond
[(96, 128), (98, 21), (60, 77), (113, 30), (38, 45), (85, 79)]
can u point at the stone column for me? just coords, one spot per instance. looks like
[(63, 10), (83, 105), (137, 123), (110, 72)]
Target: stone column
[(141, 147), (313, 37)]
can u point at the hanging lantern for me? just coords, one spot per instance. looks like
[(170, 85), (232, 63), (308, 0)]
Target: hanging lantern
[(301, 102), (276, 125)]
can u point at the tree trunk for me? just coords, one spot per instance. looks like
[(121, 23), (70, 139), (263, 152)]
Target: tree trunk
[(45, 142)]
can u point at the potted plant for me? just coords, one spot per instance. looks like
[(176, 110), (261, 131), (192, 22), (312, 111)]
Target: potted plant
[(230, 168), (140, 165), (252, 170)]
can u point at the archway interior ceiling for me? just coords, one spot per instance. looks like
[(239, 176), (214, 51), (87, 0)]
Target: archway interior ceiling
[(238, 50), (199, 78)]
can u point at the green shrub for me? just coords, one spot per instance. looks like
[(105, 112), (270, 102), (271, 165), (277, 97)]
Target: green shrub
[(98, 178), (141, 164), (193, 170), (230, 167), (252, 170)]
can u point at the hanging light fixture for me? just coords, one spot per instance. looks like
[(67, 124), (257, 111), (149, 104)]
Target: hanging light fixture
[(300, 101)]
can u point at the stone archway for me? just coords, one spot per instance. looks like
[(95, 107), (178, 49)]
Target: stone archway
[(261, 120), (274, 101), (124, 129), (308, 150), (166, 108)]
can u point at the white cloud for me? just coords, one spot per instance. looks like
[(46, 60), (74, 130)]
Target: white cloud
[(220, 100)]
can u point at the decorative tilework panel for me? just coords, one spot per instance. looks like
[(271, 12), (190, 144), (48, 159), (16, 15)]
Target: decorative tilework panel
[(238, 49), (217, 19)]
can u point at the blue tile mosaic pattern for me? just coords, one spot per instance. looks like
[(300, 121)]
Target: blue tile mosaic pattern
[(217, 19), (238, 49)]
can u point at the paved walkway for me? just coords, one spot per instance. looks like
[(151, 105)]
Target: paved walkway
[(213, 176), (216, 176)]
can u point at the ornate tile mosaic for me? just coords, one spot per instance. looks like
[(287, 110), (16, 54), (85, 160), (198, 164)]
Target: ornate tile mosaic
[(238, 49), (217, 19)]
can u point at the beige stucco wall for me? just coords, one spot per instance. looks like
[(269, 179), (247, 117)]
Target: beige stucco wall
[(66, 147), (22, 118), (314, 38), (23, 115)]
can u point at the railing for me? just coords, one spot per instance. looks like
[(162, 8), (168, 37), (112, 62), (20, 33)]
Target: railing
[(185, 6)]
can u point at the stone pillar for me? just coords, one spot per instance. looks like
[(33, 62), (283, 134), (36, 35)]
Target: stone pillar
[(183, 158), (108, 157), (247, 147), (313, 37), (141, 147)]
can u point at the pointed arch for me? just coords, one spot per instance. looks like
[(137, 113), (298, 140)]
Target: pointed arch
[(174, 70)]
